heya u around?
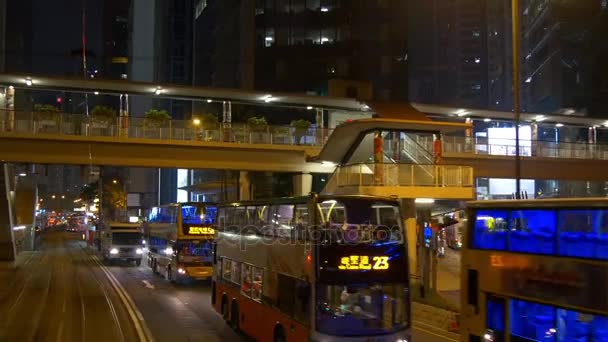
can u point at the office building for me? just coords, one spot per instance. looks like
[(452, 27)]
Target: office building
[(461, 55), (324, 47)]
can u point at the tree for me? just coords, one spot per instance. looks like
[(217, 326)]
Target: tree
[(155, 118), (114, 196), (88, 193), (301, 127), (103, 115), (257, 123), (45, 111), (209, 121)]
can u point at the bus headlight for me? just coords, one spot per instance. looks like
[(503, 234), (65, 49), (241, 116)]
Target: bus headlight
[(114, 251), (169, 251), (139, 251), (181, 271)]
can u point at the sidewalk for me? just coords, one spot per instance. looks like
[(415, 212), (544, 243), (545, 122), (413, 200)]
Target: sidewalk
[(448, 276), (434, 319)]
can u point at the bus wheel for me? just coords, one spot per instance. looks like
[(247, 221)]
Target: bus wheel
[(154, 265), (225, 307), (138, 262), (279, 334), (234, 315)]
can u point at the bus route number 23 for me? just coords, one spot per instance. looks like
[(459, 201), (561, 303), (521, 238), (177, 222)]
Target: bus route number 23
[(362, 262)]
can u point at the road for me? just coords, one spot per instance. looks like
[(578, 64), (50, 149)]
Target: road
[(58, 293), (184, 312), (62, 293)]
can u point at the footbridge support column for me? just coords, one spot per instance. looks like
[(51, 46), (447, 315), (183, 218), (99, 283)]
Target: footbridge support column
[(302, 184), (244, 186), (408, 212), (7, 241)]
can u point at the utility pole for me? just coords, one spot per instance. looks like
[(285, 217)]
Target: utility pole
[(516, 91)]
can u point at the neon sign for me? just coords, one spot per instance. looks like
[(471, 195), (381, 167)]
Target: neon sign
[(201, 231), (362, 262)]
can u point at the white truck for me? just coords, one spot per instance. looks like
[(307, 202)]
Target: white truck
[(122, 242)]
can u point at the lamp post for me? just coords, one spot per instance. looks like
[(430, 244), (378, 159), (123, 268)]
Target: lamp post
[(516, 91)]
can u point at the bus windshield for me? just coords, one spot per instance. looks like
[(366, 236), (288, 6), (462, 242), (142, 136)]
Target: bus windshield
[(361, 309), (194, 252), (126, 238), (359, 221)]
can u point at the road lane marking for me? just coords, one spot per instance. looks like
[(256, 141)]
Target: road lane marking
[(435, 334), (148, 285), (137, 318), (447, 338)]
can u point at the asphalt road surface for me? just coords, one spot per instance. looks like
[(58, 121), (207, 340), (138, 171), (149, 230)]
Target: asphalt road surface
[(184, 313), (59, 293), (62, 293)]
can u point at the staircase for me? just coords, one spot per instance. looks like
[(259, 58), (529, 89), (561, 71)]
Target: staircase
[(413, 150)]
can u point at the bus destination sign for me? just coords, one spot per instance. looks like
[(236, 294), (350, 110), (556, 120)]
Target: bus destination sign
[(339, 263), (199, 230), (362, 262)]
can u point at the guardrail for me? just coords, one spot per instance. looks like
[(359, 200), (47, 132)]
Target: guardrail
[(527, 148), (373, 174), (183, 130)]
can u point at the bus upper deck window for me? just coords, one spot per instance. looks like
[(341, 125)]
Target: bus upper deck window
[(489, 230)]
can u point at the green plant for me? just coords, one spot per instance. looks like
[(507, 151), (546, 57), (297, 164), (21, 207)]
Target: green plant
[(156, 117), (208, 121), (257, 123), (45, 111), (103, 114), (301, 126)]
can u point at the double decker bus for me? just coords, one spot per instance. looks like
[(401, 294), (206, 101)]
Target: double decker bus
[(536, 270), (179, 240), (317, 268)]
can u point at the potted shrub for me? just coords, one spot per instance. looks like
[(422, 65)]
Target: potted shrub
[(155, 118), (209, 121), (300, 126), (45, 112), (102, 116), (258, 125)]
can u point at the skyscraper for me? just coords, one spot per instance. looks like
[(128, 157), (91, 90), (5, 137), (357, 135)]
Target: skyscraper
[(467, 58), (560, 50), (2, 34), (312, 46)]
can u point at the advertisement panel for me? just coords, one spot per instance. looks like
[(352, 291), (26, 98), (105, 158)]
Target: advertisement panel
[(564, 282)]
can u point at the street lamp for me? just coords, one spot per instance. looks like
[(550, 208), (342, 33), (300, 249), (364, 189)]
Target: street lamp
[(516, 93), (114, 181), (53, 197), (196, 122)]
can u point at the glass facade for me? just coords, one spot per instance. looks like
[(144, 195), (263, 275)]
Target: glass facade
[(531, 321), (568, 233)]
